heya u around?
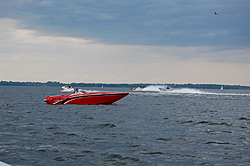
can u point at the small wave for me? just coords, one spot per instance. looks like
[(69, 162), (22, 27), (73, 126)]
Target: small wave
[(53, 127), (168, 154), (107, 125), (103, 126), (189, 121), (47, 149), (60, 159), (87, 151), (68, 158), (243, 118), (212, 123), (117, 159), (153, 153), (218, 132), (69, 143), (164, 139), (67, 134), (217, 142)]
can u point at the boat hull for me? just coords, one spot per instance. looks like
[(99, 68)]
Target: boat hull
[(67, 89), (86, 98)]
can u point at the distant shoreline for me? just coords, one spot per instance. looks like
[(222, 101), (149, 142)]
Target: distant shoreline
[(132, 85)]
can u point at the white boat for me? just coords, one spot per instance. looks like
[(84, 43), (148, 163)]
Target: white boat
[(153, 88), (136, 89), (67, 89), (165, 89), (221, 88)]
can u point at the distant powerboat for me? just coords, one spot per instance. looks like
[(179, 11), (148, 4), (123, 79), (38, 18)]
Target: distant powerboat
[(165, 89), (136, 89), (152, 88), (67, 89), (88, 98)]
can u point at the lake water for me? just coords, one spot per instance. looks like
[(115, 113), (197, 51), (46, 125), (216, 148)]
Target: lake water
[(182, 127)]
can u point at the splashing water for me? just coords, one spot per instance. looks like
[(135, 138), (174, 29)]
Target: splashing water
[(156, 88), (198, 91), (163, 89), (189, 90)]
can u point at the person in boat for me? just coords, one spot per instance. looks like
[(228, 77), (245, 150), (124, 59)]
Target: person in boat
[(79, 91)]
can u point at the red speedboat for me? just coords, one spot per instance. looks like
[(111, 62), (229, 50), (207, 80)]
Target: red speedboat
[(86, 98)]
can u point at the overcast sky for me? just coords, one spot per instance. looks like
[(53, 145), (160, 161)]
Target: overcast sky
[(125, 41)]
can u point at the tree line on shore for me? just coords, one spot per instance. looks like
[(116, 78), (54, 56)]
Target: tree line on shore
[(132, 85)]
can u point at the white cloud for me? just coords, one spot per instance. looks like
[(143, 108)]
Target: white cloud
[(45, 3), (222, 33), (23, 1), (26, 55), (211, 34)]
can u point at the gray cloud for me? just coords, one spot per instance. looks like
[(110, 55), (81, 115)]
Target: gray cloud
[(147, 22), (69, 59)]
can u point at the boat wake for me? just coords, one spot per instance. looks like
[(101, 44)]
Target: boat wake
[(189, 90), (198, 91), (155, 88), (164, 89), (152, 88)]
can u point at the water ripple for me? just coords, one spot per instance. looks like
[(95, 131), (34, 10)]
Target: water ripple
[(142, 129)]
